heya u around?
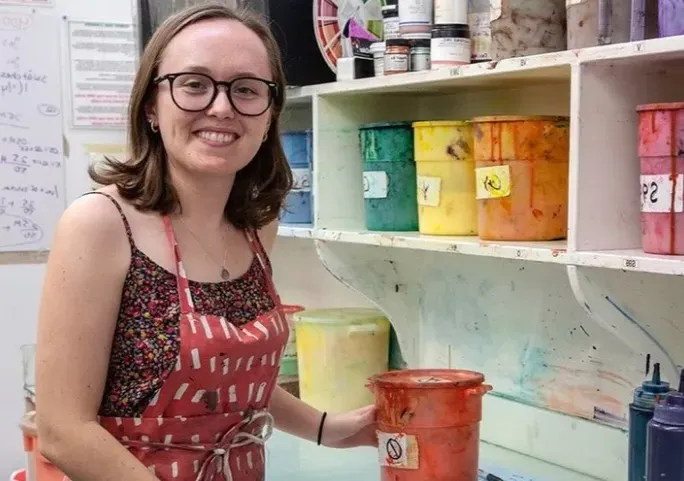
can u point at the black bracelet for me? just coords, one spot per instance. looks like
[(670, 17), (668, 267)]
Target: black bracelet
[(320, 428)]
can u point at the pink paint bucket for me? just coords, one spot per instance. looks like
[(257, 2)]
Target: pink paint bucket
[(661, 154)]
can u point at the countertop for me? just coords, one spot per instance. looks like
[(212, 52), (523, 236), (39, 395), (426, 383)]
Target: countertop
[(291, 459)]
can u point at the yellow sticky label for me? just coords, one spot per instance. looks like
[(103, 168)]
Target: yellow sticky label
[(429, 190), (493, 182)]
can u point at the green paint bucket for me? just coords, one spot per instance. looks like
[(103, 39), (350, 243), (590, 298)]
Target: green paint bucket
[(389, 176)]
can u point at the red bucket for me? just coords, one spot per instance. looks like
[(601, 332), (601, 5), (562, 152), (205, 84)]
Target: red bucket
[(429, 424)]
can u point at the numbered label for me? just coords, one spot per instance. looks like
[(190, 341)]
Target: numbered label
[(429, 191), (375, 185), (493, 182), (301, 180), (657, 193), (398, 450)]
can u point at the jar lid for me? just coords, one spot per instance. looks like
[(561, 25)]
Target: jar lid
[(662, 106), (420, 43), (397, 42), (520, 118), (377, 47), (442, 123), (389, 10), (451, 30)]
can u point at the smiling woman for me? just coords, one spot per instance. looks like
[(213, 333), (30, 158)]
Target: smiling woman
[(161, 331)]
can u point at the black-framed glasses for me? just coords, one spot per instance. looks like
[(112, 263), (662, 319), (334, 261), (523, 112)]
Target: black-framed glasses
[(194, 92)]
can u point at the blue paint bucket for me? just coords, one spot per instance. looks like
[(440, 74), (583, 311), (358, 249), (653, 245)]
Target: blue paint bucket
[(298, 147)]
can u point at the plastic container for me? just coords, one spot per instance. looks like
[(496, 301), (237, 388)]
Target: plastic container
[(589, 26), (527, 27), (389, 176), (419, 51), (640, 413), (390, 21), (298, 149), (38, 468), (665, 443), (661, 154), (521, 177), (670, 18), (480, 31), (396, 56), (337, 351), (415, 18), (445, 178), (378, 51), (429, 424), (450, 46)]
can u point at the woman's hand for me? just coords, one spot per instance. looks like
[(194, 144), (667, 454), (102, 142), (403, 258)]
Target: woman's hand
[(350, 429)]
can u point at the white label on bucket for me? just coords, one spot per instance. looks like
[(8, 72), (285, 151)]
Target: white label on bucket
[(493, 182), (656, 193), (429, 190), (398, 450), (301, 180), (375, 185)]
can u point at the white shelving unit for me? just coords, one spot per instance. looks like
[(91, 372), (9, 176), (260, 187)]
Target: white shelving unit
[(560, 329)]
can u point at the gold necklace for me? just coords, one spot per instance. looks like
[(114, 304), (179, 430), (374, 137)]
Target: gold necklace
[(225, 275)]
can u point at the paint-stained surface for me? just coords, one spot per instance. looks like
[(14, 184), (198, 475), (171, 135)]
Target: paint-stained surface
[(522, 177)]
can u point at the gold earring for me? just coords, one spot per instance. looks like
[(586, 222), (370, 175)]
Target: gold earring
[(153, 126)]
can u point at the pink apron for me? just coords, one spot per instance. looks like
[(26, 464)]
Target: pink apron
[(209, 420)]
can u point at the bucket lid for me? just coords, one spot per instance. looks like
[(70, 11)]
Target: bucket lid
[(518, 118), (385, 125), (343, 315), (429, 378), (441, 123), (663, 106)]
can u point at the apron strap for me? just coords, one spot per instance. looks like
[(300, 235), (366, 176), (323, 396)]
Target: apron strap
[(184, 295), (260, 253)]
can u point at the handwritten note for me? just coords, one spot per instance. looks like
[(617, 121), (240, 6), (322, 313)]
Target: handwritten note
[(103, 59), (31, 163)]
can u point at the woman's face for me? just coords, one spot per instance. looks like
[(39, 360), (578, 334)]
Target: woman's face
[(217, 140)]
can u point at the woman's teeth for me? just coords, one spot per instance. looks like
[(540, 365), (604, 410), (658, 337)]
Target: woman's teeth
[(216, 137)]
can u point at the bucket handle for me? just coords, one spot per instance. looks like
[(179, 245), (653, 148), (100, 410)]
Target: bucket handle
[(479, 391)]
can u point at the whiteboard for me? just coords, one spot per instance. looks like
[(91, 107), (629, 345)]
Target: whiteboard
[(32, 196)]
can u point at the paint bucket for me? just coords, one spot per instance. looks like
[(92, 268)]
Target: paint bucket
[(389, 176), (670, 18), (298, 204), (288, 364), (337, 351), (586, 26), (429, 424), (521, 177), (661, 147), (445, 178), (526, 27)]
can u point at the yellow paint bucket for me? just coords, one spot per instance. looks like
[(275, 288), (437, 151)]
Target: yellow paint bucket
[(338, 350), (445, 170)]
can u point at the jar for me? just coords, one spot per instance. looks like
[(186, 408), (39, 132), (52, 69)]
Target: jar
[(419, 51), (396, 56), (390, 21), (450, 46), (378, 51), (480, 32), (449, 12), (415, 16)]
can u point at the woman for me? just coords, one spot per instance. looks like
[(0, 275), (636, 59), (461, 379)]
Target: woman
[(160, 329)]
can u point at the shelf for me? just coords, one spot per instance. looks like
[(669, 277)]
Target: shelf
[(630, 260), (532, 251), (299, 232)]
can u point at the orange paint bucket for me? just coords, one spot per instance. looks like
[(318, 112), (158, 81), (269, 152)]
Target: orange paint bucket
[(429, 424)]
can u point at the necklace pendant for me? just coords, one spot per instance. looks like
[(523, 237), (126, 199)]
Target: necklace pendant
[(225, 275)]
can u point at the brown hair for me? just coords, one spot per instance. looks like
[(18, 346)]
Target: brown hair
[(260, 187)]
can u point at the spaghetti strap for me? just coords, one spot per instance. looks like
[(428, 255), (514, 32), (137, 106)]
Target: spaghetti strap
[(127, 226)]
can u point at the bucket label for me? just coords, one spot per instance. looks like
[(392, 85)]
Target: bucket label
[(301, 180), (657, 193), (429, 190), (375, 185), (493, 182), (398, 450)]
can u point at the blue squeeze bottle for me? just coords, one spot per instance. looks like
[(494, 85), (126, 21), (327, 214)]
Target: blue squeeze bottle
[(665, 443), (640, 413)]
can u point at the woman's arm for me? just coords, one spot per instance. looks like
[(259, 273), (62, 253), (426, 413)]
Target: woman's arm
[(81, 294)]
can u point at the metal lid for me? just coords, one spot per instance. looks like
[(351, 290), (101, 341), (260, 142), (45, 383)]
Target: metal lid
[(429, 378), (662, 106), (441, 123), (518, 118), (385, 125)]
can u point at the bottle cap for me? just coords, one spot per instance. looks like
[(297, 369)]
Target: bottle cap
[(652, 390), (671, 409)]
